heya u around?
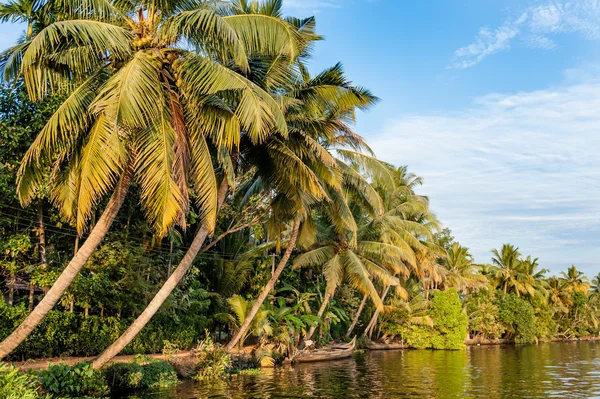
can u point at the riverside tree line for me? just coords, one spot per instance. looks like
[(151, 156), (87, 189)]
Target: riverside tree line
[(171, 169)]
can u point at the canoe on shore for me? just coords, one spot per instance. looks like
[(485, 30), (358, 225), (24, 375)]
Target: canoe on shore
[(376, 346), (331, 353)]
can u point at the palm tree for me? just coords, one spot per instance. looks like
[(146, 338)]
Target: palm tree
[(507, 272), (557, 295), (463, 274), (289, 40), (574, 280), (143, 106), (260, 324), (405, 220), (316, 122)]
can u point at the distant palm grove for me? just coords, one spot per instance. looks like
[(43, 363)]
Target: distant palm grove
[(172, 170)]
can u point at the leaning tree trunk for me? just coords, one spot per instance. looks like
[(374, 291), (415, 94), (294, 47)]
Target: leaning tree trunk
[(164, 292), (311, 331), (371, 326), (267, 288), (357, 315), (72, 269)]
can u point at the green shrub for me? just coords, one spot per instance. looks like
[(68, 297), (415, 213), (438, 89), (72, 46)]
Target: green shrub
[(211, 361), (74, 381), (518, 317), (123, 376), (449, 320), (67, 334), (17, 385), (158, 374)]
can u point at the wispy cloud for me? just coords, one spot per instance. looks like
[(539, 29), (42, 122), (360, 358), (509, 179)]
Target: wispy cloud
[(520, 168), (537, 24)]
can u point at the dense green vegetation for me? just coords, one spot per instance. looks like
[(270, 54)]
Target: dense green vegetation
[(243, 208)]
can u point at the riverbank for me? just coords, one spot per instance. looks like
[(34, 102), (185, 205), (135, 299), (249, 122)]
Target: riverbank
[(39, 364)]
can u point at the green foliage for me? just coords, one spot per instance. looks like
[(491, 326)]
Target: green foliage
[(67, 334), (443, 327), (449, 320), (74, 381), (123, 376), (484, 316), (518, 317), (158, 374), (17, 385), (211, 361)]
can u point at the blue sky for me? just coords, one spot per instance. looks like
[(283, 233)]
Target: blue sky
[(495, 103)]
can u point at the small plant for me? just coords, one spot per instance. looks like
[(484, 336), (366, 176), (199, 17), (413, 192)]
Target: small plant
[(74, 381), (158, 374), (17, 385), (170, 349), (123, 376), (211, 361)]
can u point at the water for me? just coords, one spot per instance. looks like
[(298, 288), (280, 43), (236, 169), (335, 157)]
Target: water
[(565, 370)]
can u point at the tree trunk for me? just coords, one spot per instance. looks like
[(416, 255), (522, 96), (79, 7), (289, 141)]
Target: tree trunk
[(41, 243), (41, 234), (371, 327), (267, 288), (12, 279), (76, 246), (357, 315), (164, 291), (311, 331), (31, 296), (72, 269)]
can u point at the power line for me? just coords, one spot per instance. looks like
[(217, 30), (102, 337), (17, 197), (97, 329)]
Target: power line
[(227, 256)]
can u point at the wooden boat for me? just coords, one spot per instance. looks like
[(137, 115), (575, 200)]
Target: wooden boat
[(376, 346), (331, 353)]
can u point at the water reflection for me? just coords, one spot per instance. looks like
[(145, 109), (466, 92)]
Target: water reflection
[(548, 370)]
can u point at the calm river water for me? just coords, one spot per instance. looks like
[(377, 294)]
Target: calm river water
[(565, 370)]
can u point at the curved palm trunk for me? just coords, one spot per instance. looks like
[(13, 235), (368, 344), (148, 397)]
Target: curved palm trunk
[(267, 288), (312, 330), (371, 326), (357, 315), (68, 275), (164, 292)]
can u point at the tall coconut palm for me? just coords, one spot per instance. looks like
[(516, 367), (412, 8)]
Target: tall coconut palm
[(400, 225), (140, 104), (314, 122), (283, 44)]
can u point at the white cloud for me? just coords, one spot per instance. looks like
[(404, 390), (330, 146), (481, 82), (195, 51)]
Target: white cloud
[(540, 42), (520, 168), (538, 23)]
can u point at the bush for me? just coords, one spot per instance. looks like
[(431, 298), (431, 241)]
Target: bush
[(74, 381), (67, 334), (211, 360), (123, 376), (449, 320), (518, 317), (158, 374), (17, 385)]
